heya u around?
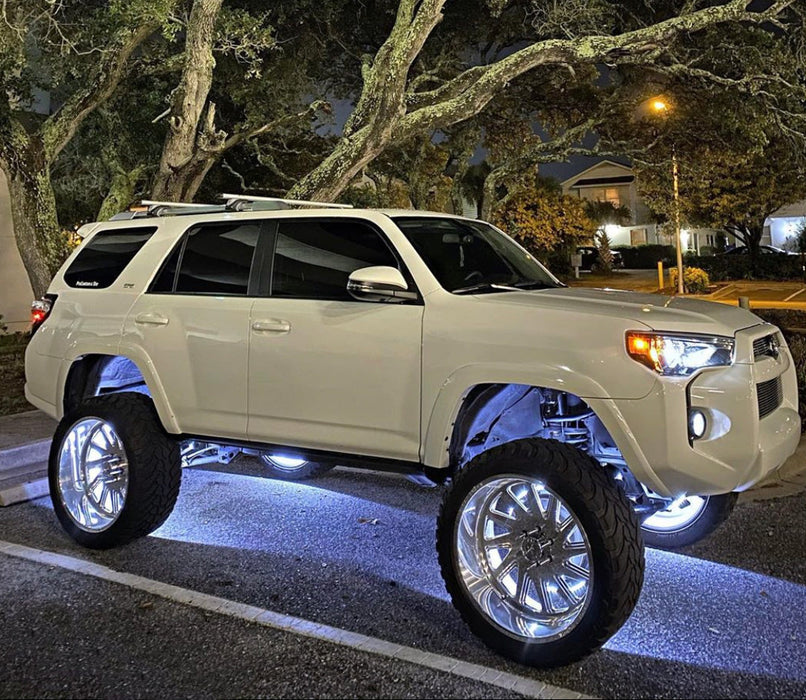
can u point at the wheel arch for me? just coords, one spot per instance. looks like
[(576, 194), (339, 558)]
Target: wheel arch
[(97, 373), (459, 402)]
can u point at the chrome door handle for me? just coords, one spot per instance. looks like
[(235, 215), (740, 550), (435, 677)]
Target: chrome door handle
[(272, 325), (151, 319)]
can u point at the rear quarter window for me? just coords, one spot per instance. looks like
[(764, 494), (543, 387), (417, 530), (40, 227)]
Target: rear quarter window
[(100, 261)]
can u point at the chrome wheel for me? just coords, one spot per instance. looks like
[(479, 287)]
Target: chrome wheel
[(679, 514), (524, 558), (93, 474), (284, 462)]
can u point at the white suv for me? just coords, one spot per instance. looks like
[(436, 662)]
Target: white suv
[(563, 422)]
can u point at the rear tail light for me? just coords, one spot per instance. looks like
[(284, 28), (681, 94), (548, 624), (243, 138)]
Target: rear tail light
[(40, 310)]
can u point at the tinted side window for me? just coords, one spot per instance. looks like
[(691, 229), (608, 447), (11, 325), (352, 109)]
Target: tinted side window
[(313, 259), (217, 259), (100, 262), (165, 279)]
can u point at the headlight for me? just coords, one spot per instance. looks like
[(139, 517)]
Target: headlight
[(671, 354)]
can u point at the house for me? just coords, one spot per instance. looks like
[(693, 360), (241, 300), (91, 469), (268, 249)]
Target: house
[(608, 181), (781, 228), (15, 290)]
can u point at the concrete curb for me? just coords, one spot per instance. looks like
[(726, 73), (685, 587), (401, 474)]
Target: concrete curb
[(25, 454)]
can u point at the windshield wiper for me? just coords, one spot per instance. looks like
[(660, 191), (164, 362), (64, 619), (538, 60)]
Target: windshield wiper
[(533, 284), (486, 287)]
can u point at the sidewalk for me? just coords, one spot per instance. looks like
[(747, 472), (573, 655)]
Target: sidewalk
[(25, 443)]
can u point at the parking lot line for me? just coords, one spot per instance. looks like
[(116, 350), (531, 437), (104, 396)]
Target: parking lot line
[(792, 296), (294, 625)]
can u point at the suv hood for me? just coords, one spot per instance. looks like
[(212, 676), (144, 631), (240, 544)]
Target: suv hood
[(660, 313)]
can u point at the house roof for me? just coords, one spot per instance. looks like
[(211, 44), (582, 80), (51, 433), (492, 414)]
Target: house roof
[(571, 181)]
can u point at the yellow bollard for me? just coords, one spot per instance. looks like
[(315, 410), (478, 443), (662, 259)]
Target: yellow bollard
[(660, 274)]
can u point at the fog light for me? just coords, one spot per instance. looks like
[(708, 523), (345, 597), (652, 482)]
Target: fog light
[(696, 424)]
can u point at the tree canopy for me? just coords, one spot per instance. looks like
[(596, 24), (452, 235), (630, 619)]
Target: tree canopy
[(184, 97)]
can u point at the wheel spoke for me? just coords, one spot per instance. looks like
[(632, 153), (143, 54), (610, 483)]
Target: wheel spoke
[(576, 570), (522, 586), (565, 590)]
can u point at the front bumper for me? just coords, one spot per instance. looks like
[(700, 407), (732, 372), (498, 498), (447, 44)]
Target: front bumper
[(738, 448)]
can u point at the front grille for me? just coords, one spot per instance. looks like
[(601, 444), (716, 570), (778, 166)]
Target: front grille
[(770, 396), (765, 347)]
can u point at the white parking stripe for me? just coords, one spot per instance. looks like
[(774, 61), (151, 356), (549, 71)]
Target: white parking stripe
[(792, 296), (296, 625)]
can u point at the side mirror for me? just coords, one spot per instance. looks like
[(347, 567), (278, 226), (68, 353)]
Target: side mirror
[(379, 283)]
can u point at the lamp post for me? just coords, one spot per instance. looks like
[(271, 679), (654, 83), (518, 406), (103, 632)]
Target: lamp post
[(661, 107)]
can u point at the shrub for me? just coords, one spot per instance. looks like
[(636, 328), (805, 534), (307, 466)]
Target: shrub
[(742, 267), (643, 257), (695, 280)]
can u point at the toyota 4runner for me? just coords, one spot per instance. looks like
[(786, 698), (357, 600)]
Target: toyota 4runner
[(569, 426)]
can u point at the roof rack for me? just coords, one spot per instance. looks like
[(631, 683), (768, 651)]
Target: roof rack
[(234, 202), (237, 201)]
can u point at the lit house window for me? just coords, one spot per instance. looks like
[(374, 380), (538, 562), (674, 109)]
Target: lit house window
[(604, 194)]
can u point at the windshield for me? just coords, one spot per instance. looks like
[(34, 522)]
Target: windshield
[(473, 257)]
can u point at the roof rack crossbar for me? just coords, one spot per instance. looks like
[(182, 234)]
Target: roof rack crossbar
[(234, 199), (174, 205)]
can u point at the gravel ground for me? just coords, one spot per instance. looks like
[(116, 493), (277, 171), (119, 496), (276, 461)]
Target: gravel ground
[(723, 619)]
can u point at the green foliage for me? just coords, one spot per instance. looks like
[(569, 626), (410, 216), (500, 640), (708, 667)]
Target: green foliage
[(548, 224), (695, 280), (12, 373), (721, 268), (604, 261)]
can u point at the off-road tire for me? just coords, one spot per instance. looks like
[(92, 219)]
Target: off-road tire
[(308, 470), (612, 528), (154, 463), (716, 512)]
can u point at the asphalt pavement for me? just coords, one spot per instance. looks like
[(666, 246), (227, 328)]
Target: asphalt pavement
[(355, 550)]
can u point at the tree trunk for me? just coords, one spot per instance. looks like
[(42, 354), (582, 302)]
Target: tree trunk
[(36, 228), (177, 172), (121, 193), (329, 179)]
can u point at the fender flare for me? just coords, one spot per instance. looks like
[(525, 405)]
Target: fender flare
[(458, 386)]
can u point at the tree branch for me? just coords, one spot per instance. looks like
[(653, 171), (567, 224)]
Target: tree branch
[(60, 127)]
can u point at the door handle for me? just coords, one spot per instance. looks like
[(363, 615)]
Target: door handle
[(151, 319), (272, 325)]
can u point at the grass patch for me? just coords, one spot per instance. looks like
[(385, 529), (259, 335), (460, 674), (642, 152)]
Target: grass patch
[(12, 374)]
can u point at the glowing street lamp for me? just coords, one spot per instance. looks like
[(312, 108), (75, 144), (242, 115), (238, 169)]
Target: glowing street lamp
[(659, 106)]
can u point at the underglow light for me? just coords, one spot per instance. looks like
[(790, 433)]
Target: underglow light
[(287, 462)]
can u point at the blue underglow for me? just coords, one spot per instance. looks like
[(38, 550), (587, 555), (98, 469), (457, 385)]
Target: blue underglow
[(691, 611)]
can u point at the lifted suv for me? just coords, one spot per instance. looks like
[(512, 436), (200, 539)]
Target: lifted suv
[(563, 422)]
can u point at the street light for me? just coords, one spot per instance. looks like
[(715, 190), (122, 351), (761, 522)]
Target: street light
[(661, 107)]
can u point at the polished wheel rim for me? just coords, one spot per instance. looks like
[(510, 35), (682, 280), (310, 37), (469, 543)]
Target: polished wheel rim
[(524, 558), (679, 514), (93, 474), (288, 464)]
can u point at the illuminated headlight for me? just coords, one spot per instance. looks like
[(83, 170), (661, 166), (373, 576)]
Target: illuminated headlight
[(671, 354)]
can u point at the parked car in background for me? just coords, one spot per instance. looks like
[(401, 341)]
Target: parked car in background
[(590, 254), (762, 249)]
